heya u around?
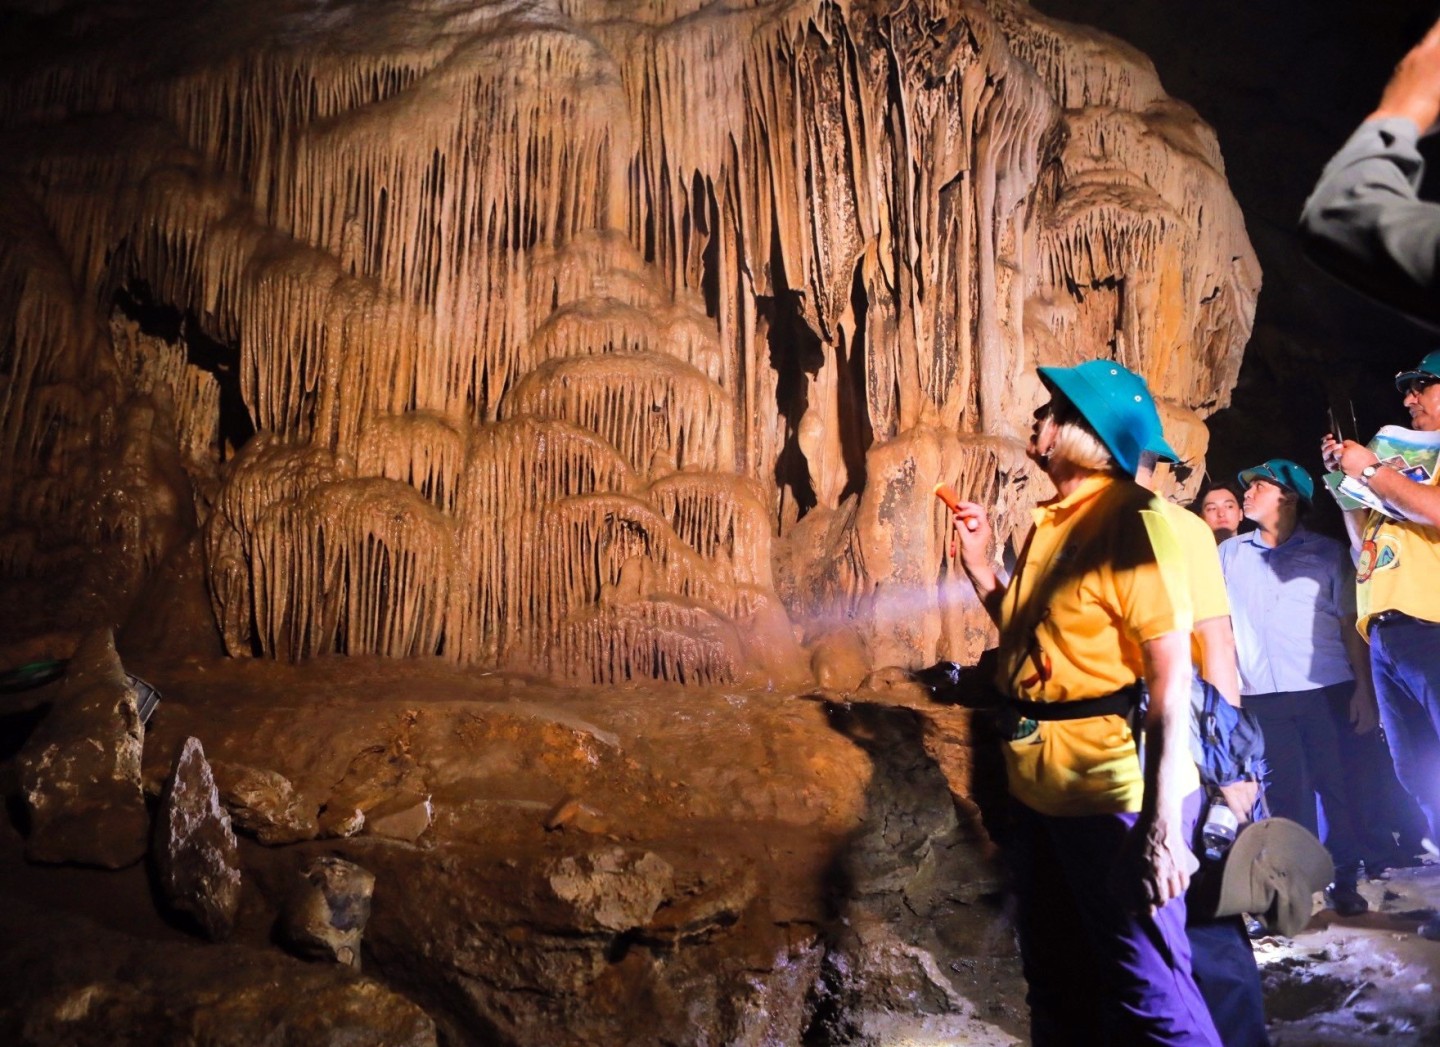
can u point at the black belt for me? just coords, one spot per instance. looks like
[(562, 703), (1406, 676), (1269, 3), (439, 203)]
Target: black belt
[(1118, 704), (1389, 616)]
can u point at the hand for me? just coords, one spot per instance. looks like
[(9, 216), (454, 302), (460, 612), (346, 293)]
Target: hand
[(972, 526), (1240, 797), (1330, 449), (1364, 713), (1155, 865), (1414, 87), (1353, 457)]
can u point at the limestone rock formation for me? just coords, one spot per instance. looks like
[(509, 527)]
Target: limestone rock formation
[(80, 769), (326, 913), (609, 343), (196, 855), (263, 803)]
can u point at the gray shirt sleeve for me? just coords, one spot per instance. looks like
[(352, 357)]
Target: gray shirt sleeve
[(1365, 223)]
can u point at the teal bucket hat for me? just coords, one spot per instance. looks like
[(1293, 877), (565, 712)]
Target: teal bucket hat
[(1429, 367), (1116, 403), (1283, 472)]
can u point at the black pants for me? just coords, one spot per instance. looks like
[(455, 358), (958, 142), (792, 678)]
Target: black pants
[(1303, 752), (1382, 808)]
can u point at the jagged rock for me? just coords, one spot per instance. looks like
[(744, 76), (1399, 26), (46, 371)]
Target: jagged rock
[(264, 804), (80, 770), (341, 821), (404, 816), (570, 812), (612, 889), (69, 982), (196, 856), (325, 916)]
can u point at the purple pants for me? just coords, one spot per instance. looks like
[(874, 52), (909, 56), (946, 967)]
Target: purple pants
[(1405, 662), (1097, 973)]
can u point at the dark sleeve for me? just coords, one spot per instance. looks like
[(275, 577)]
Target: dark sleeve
[(1365, 224)]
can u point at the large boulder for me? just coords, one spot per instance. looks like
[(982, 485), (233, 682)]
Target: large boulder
[(80, 770)]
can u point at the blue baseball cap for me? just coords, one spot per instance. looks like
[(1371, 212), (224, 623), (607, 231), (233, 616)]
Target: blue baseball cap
[(1116, 403), (1283, 472), (1429, 367)]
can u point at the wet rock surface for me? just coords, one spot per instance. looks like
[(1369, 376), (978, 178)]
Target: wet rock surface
[(80, 769)]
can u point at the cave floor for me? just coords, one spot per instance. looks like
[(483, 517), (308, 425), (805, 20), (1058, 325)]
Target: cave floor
[(808, 793)]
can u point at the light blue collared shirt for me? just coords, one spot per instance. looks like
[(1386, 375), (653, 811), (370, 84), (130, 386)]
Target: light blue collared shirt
[(1287, 606)]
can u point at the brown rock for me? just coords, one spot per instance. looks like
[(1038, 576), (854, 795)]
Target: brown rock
[(612, 889), (80, 770), (326, 913), (196, 856), (404, 816), (264, 804)]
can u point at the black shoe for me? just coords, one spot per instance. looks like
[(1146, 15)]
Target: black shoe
[(1430, 928), (1346, 900)]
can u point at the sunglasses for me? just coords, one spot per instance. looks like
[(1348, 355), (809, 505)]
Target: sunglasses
[(1416, 386)]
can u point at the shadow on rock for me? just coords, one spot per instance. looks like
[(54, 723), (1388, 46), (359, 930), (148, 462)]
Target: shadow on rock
[(918, 926)]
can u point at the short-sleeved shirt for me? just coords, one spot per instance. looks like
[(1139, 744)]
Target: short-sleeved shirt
[(1202, 569), (1398, 569), (1288, 604), (1101, 574)]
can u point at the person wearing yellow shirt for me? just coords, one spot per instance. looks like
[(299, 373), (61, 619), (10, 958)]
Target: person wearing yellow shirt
[(1097, 611), (1222, 960), (1398, 596)]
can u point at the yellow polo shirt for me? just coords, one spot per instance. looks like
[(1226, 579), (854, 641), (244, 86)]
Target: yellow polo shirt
[(1101, 573), (1208, 598), (1398, 569)]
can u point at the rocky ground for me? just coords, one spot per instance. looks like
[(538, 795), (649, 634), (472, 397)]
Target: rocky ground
[(492, 860), (549, 866)]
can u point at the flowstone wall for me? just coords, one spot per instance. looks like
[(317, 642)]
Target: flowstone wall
[(605, 340)]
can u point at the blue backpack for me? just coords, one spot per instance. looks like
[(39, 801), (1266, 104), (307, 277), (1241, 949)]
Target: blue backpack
[(1226, 742)]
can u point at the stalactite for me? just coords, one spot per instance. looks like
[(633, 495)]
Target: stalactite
[(549, 318), (648, 406), (152, 366)]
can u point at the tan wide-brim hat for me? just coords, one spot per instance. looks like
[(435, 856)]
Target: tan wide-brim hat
[(1272, 872)]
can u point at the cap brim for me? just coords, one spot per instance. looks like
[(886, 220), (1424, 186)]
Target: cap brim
[(1404, 378), (1248, 475)]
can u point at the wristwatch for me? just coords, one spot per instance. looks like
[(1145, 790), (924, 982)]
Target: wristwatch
[(1368, 473)]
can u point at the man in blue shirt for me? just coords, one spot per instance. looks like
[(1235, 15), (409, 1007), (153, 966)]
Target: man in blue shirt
[(1292, 600)]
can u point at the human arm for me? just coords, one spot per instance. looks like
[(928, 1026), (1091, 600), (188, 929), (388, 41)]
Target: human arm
[(1157, 846), (1364, 220), (1419, 502), (1217, 657), (1364, 711), (973, 530)]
